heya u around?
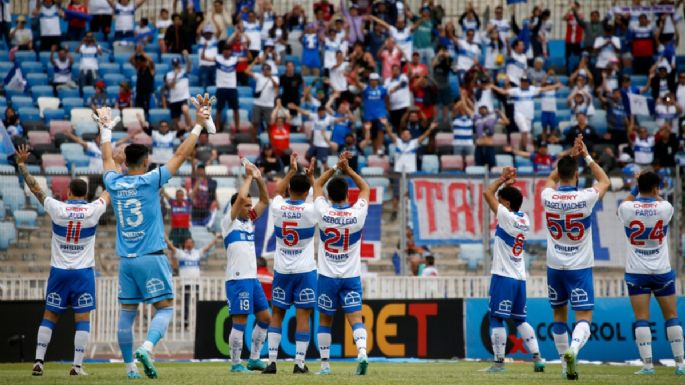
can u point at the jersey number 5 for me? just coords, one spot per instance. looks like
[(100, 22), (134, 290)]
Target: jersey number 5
[(637, 227), (335, 238), (556, 231), (290, 236)]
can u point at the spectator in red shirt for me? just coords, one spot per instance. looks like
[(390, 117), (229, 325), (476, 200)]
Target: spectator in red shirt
[(574, 33), (415, 67), (279, 130), (425, 95), (265, 277), (326, 8), (239, 48), (390, 55), (77, 26), (180, 217)]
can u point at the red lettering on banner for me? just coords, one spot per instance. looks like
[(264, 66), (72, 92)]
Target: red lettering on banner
[(421, 311), (538, 210), (429, 192), (455, 210)]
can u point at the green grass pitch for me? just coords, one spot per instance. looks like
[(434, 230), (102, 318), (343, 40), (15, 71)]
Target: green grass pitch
[(343, 373)]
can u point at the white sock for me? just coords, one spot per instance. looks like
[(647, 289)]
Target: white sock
[(498, 336), (148, 345), (560, 335), (235, 342), (258, 339), (80, 342), (674, 332), (274, 338), (301, 352), (581, 333), (359, 335), (643, 339), (324, 339), (43, 340), (528, 334)]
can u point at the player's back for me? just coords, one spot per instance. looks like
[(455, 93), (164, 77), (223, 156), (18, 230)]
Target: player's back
[(73, 231), (510, 240), (136, 204), (241, 258), (646, 225), (568, 212), (340, 232), (294, 227)]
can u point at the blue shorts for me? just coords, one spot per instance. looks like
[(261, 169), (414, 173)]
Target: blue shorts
[(346, 292), (311, 58), (660, 284), (145, 279), (507, 298), (70, 289), (247, 295), (548, 119), (575, 286), (298, 289)]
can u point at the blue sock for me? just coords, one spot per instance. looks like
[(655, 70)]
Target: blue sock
[(125, 333), (159, 324)]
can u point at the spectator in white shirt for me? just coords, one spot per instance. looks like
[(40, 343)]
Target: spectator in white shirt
[(49, 15), (179, 89), (124, 23), (607, 48), (266, 89), (88, 65), (21, 37), (208, 51), (399, 95), (61, 68), (101, 12), (338, 75)]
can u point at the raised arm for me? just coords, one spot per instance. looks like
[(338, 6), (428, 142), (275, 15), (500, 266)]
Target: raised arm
[(263, 203), (171, 247), (344, 166), (242, 195), (379, 21), (603, 183), (490, 194), (208, 246), (321, 181), (104, 119), (283, 184), (430, 130), (70, 134), (22, 155), (202, 116)]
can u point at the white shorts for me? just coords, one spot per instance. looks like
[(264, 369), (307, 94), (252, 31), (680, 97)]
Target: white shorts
[(523, 123)]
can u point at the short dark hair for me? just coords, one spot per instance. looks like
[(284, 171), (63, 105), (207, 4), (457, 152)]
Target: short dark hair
[(135, 154), (78, 188), (175, 15), (337, 189), (647, 181), (234, 198), (567, 167), (430, 260), (299, 184), (512, 195)]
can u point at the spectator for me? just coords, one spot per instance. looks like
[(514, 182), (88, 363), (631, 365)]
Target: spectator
[(162, 141), (177, 39), (101, 16), (469, 53), (125, 97), (429, 270), (575, 28), (253, 31), (338, 75), (581, 128), (462, 130), (88, 64), (343, 127), (607, 47), (415, 68), (325, 8), (49, 15), (484, 123), (680, 96), (279, 35), (425, 92), (591, 30), (375, 39), (311, 59), (374, 97), (661, 80), (279, 130), (355, 21), (469, 19), (321, 133), (143, 33), (269, 163), (161, 24), (423, 28), (266, 89), (399, 95), (179, 89), (667, 111), (543, 161), (355, 149), (6, 20), (390, 55), (290, 83), (226, 82), (239, 45), (21, 37), (580, 101), (548, 106), (205, 153), (145, 71), (517, 64), (500, 24), (218, 20), (61, 66), (270, 56), (401, 34), (99, 99), (617, 118), (203, 196), (642, 42), (665, 147), (332, 44), (92, 151), (124, 23), (12, 123)]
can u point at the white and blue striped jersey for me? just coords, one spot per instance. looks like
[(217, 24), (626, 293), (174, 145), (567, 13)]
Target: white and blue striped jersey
[(568, 212), (162, 146), (210, 52), (645, 221), (181, 90), (468, 52), (124, 20), (253, 31), (240, 248), (644, 150), (225, 72), (294, 228), (73, 231), (517, 66), (524, 100), (404, 40), (462, 131), (405, 155), (137, 208), (188, 263), (61, 70), (508, 258), (330, 48), (49, 21), (89, 57), (340, 237)]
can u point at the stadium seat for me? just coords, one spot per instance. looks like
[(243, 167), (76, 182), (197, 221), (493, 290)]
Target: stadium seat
[(47, 103), (503, 160), (472, 253), (39, 137), (25, 220), (499, 139), (298, 137), (157, 115), (443, 139), (381, 182), (29, 67), (53, 114), (63, 93), (142, 138), (430, 164), (29, 113), (21, 101), (220, 139), (248, 149), (216, 170), (229, 161), (85, 128), (130, 115), (475, 170), (70, 103), (7, 235), (42, 183), (369, 171), (37, 79), (109, 68), (3, 211), (59, 127), (14, 197), (113, 79), (40, 91), (48, 160), (71, 149), (60, 186), (81, 115), (379, 161), (226, 181), (451, 163), (112, 92)]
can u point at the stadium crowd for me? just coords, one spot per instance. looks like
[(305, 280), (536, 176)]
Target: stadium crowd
[(403, 89)]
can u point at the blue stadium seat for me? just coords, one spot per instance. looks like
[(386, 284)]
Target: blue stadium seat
[(159, 79), (88, 93), (112, 92), (211, 90), (110, 68), (78, 161), (13, 197), (121, 58), (69, 150), (50, 115), (245, 91), (503, 160), (293, 58), (128, 70), (196, 90), (5, 66), (113, 79), (71, 44), (563, 115), (44, 57), (7, 235), (69, 103), (381, 182), (167, 57), (29, 114), (34, 204), (295, 137), (472, 253), (522, 161), (3, 211), (26, 220), (83, 128), (29, 67), (162, 68), (25, 56), (38, 91), (430, 164), (21, 101), (37, 79), (159, 114), (68, 93)]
